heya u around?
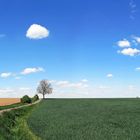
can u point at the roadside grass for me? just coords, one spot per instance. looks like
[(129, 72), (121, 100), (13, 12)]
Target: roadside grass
[(86, 119), (11, 106), (13, 125)]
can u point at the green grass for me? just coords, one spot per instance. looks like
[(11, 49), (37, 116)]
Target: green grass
[(86, 119), (13, 125), (11, 106)]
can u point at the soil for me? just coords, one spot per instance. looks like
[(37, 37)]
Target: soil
[(8, 101)]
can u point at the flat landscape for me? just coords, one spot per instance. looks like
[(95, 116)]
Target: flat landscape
[(8, 101), (86, 119)]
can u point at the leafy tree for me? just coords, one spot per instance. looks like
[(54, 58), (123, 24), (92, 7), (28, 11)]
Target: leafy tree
[(26, 99)]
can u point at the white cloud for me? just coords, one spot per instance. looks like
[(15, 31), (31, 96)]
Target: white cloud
[(36, 31), (5, 75), (124, 43), (31, 70), (109, 75), (137, 39), (130, 51)]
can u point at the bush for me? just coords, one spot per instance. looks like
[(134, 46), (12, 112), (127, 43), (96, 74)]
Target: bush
[(35, 98), (26, 99)]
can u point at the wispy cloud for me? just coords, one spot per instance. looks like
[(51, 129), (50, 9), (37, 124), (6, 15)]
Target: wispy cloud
[(104, 87), (137, 69), (32, 70), (17, 77), (136, 39), (84, 80), (68, 84), (109, 75), (16, 92), (133, 9)]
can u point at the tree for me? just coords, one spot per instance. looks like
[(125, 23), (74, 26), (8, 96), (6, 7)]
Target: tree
[(44, 88), (25, 99)]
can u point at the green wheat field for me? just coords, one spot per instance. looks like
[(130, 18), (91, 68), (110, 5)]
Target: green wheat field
[(86, 119)]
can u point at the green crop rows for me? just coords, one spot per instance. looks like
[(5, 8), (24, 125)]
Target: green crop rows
[(86, 119)]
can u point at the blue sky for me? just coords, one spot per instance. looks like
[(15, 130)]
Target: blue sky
[(87, 48)]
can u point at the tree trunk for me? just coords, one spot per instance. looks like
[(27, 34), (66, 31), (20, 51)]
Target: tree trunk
[(43, 96)]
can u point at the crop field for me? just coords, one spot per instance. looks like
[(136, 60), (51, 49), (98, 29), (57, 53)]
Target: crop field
[(8, 101), (86, 119)]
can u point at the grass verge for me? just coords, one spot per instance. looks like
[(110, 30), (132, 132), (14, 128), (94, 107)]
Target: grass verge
[(13, 125), (11, 106)]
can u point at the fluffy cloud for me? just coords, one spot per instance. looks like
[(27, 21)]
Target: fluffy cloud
[(124, 43), (109, 75), (36, 31), (31, 70), (130, 51), (5, 75), (128, 48)]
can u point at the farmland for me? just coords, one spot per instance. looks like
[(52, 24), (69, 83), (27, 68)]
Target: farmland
[(86, 119), (8, 101)]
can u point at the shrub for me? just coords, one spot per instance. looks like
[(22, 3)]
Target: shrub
[(26, 99), (35, 98)]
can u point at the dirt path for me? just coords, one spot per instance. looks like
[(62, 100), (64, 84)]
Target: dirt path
[(15, 108)]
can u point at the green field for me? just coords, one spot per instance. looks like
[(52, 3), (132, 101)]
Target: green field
[(86, 119)]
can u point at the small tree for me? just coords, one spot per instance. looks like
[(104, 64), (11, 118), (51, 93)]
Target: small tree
[(44, 88), (25, 99), (35, 98)]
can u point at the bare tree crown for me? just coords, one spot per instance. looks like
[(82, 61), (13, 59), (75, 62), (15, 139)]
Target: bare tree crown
[(44, 88)]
